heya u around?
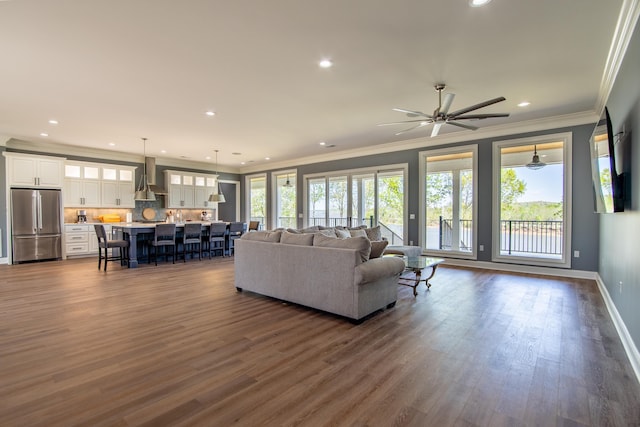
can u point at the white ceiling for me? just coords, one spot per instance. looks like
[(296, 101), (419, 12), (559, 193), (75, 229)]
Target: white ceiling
[(113, 71)]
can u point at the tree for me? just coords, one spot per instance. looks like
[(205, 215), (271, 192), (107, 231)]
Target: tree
[(511, 188)]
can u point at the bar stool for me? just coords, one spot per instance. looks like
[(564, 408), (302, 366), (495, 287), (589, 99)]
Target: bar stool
[(254, 225), (216, 237), (122, 247), (192, 236), (235, 232), (165, 235)]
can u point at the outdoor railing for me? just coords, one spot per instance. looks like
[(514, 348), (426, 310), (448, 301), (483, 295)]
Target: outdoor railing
[(393, 237), (343, 221), (445, 237), (532, 237)]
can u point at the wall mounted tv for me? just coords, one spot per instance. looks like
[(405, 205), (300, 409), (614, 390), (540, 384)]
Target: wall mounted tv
[(606, 168)]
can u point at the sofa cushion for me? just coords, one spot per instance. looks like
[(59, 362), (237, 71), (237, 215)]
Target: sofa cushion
[(377, 248), (329, 232), (296, 239), (311, 229), (263, 236), (294, 231), (361, 244), (342, 233), (373, 233), (358, 233)]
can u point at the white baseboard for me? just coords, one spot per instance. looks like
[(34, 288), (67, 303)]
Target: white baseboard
[(629, 346), (4, 260), (517, 268)]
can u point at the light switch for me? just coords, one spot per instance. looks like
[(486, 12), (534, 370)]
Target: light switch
[(412, 216)]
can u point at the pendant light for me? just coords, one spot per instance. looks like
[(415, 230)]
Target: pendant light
[(217, 197), (535, 161), (144, 193), (288, 184)]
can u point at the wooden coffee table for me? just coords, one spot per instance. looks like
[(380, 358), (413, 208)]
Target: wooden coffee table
[(416, 265)]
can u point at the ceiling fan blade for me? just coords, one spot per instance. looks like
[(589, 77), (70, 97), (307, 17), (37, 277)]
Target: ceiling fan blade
[(436, 129), (406, 121), (412, 128), (448, 99), (477, 106), (481, 116), (411, 112), (462, 125)]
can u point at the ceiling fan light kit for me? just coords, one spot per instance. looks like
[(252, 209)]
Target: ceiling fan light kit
[(442, 116)]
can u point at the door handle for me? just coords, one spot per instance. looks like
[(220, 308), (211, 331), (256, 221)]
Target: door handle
[(39, 210), (34, 209)]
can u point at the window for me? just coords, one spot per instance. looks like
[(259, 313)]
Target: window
[(284, 201), (359, 197), (257, 198), (531, 212), (449, 194)]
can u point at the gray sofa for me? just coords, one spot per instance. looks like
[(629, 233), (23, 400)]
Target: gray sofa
[(333, 279)]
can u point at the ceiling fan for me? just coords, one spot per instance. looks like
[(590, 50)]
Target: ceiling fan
[(442, 116)]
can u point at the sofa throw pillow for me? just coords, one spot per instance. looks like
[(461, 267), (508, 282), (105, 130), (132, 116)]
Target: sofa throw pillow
[(294, 231), (329, 232), (311, 229), (342, 233), (296, 239), (360, 244), (373, 233), (263, 236), (377, 248), (358, 233)]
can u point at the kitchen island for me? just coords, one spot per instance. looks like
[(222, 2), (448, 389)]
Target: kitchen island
[(139, 232)]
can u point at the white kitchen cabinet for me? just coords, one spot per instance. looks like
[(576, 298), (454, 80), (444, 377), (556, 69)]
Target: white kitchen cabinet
[(118, 187), (34, 171), (81, 240), (81, 185), (189, 190)]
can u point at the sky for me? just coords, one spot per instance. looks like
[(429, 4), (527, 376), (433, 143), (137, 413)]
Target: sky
[(543, 184)]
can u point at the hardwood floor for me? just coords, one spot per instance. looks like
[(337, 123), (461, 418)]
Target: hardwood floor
[(177, 345)]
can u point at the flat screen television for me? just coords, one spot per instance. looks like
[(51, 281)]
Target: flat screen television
[(606, 169)]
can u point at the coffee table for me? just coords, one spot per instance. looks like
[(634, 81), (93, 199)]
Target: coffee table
[(416, 265)]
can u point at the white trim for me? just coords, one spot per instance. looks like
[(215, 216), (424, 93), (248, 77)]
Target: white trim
[(519, 268), (627, 342), (4, 260), (273, 194), (543, 124), (247, 197), (627, 19), (422, 156), (565, 262)]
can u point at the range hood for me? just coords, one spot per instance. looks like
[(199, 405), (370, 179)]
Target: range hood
[(150, 163)]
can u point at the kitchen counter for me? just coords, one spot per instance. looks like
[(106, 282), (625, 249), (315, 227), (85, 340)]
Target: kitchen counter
[(131, 230)]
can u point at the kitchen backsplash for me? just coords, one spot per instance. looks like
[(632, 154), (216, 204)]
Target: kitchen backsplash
[(71, 214)]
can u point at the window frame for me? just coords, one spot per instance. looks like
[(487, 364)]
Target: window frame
[(293, 173), (422, 239), (567, 200), (247, 196)]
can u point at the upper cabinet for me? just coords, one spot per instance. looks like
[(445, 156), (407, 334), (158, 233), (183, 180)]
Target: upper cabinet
[(118, 187), (190, 190), (24, 170), (98, 185)]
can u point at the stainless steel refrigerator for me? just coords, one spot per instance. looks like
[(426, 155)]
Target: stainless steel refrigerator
[(36, 224)]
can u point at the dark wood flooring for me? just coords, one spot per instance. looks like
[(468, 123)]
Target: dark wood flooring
[(175, 345)]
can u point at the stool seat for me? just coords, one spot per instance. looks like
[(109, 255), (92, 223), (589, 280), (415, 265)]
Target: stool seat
[(105, 244)]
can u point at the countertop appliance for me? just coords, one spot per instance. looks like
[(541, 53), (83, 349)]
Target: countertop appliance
[(82, 216), (36, 224)]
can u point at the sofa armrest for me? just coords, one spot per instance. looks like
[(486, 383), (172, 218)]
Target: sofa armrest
[(377, 268)]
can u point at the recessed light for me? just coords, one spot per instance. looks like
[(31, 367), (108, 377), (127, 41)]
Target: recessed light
[(267, 158), (325, 63), (53, 122), (237, 154), (44, 134), (163, 151), (242, 163), (478, 3), (208, 157), (112, 144), (323, 143), (524, 104), (210, 113)]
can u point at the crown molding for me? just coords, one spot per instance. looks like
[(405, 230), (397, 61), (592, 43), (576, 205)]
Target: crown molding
[(623, 32), (98, 154), (510, 129)]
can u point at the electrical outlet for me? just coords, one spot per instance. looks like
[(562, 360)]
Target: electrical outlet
[(576, 254), (481, 248), (412, 216)]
